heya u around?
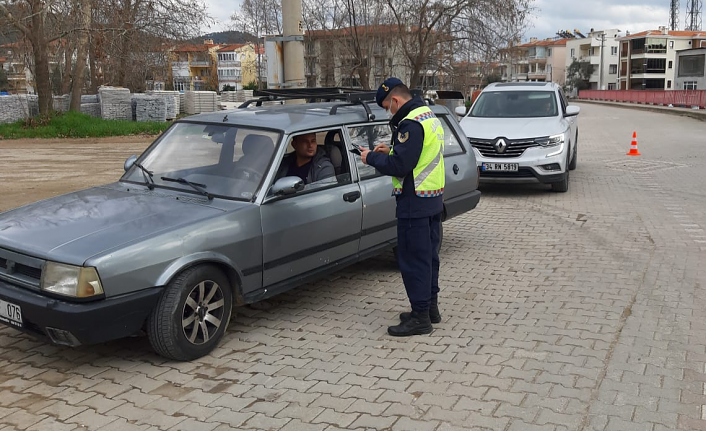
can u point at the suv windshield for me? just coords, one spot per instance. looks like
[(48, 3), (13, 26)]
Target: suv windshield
[(226, 161), (515, 104)]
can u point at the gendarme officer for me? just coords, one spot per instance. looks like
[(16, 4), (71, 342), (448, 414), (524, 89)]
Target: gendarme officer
[(416, 164)]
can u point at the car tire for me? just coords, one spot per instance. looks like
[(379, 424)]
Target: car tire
[(185, 325), (563, 185), (574, 157)]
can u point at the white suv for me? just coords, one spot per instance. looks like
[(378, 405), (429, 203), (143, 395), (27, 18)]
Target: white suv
[(523, 133)]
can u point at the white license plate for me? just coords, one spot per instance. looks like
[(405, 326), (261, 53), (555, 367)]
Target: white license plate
[(508, 167), (10, 313)]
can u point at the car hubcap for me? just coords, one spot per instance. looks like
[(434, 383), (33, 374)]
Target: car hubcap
[(203, 311)]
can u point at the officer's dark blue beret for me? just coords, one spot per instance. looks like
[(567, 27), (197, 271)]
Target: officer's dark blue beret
[(385, 89)]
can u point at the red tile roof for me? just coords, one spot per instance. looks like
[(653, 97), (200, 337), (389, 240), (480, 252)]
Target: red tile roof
[(231, 47)]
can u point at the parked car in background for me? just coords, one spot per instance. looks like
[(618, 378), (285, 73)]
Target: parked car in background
[(201, 223), (523, 133)]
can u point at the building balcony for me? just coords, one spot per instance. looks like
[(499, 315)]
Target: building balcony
[(199, 63), (538, 74), (229, 63), (227, 79), (180, 64), (537, 60)]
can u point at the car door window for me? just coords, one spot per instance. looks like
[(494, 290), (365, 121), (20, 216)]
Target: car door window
[(369, 136), (452, 146), (331, 160), (564, 102)]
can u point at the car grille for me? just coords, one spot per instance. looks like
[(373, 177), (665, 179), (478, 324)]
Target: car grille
[(515, 147), (521, 173), (28, 274)]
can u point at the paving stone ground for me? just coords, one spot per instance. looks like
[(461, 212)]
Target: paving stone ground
[(574, 311)]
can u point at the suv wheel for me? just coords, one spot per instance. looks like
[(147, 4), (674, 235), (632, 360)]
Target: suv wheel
[(192, 315), (574, 157), (563, 185)]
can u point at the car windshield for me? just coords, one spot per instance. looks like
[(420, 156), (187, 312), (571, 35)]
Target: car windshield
[(515, 104), (225, 161)]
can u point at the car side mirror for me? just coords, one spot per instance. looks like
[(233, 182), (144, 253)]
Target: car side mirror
[(572, 111), (129, 162), (460, 111), (287, 186)]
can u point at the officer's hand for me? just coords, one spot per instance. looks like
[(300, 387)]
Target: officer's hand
[(382, 148), (364, 155)]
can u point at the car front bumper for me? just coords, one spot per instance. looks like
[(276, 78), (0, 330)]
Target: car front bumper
[(72, 323), (531, 167)]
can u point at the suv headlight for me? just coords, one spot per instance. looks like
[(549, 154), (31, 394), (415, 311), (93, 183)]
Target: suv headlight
[(69, 280), (551, 141)]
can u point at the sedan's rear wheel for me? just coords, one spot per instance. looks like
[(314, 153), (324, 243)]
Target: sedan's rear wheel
[(192, 315)]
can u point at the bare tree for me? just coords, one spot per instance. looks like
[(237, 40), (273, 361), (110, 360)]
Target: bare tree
[(258, 18), (83, 12)]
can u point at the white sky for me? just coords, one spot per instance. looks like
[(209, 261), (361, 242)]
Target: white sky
[(550, 15)]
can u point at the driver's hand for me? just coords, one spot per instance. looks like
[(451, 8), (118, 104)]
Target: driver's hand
[(382, 148)]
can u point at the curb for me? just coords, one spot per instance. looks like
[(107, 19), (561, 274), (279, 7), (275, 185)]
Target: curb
[(696, 114)]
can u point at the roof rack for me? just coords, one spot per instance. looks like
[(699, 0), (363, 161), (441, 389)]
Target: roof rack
[(352, 97)]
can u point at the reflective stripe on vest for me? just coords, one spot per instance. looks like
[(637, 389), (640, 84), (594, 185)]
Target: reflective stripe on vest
[(429, 176)]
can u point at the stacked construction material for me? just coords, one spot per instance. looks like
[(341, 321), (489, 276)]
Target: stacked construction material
[(172, 100), (149, 108), (228, 96), (200, 101), (90, 105), (90, 98), (61, 103), (13, 108), (243, 95), (115, 103)]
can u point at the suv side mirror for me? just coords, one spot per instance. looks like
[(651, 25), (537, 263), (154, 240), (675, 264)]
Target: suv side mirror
[(129, 162), (287, 186), (572, 111), (460, 111)]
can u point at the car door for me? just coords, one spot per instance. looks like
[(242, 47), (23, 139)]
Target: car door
[(313, 229), (379, 225), (573, 121)]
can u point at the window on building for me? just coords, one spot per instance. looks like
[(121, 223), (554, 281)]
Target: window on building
[(671, 44), (690, 85), (549, 52), (669, 83), (573, 53), (613, 50), (670, 64), (692, 65), (613, 69), (611, 86)]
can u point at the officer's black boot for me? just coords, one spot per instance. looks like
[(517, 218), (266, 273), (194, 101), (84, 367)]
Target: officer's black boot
[(434, 314), (417, 324)]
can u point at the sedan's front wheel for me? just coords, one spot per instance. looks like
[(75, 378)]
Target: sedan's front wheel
[(192, 315)]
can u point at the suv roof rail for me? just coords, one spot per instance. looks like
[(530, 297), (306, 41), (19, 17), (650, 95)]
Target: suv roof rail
[(325, 94)]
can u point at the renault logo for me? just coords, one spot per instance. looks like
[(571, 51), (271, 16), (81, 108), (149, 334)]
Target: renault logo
[(500, 145)]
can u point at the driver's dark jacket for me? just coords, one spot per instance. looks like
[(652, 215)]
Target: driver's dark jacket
[(321, 167)]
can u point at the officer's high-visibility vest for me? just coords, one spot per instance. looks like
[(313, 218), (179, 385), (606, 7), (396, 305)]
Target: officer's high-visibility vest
[(429, 174)]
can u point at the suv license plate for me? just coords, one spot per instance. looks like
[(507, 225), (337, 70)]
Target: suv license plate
[(10, 313), (508, 167)]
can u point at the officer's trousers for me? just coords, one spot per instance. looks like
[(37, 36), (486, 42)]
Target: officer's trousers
[(418, 259)]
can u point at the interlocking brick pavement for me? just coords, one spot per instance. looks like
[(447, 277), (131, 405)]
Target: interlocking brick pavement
[(574, 311)]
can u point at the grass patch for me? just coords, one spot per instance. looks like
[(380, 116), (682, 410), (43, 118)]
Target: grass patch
[(77, 125)]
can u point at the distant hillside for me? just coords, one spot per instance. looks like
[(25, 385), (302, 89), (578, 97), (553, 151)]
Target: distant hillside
[(226, 37)]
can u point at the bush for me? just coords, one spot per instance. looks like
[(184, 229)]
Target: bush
[(77, 125)]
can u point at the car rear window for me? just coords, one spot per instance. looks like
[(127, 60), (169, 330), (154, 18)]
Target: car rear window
[(515, 104)]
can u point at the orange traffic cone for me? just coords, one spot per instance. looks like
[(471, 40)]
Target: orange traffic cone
[(633, 146)]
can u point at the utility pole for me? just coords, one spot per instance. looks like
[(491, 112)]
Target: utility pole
[(293, 40), (600, 73)]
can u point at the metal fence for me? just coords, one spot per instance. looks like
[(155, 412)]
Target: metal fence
[(682, 98)]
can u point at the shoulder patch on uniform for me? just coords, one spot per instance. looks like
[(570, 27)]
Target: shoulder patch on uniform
[(402, 137)]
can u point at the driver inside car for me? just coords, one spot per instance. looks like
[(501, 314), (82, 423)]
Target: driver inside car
[(308, 161)]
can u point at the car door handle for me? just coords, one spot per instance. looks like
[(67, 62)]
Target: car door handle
[(455, 168), (351, 197)]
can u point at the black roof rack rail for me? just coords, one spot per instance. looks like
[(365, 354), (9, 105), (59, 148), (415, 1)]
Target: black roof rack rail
[(355, 99), (325, 94)]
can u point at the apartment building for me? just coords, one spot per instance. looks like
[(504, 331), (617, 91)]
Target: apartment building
[(240, 65), (16, 59), (691, 69), (537, 60), (600, 49), (648, 59), (193, 67)]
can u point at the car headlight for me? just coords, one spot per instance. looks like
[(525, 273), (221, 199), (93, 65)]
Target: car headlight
[(69, 280), (551, 141)]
